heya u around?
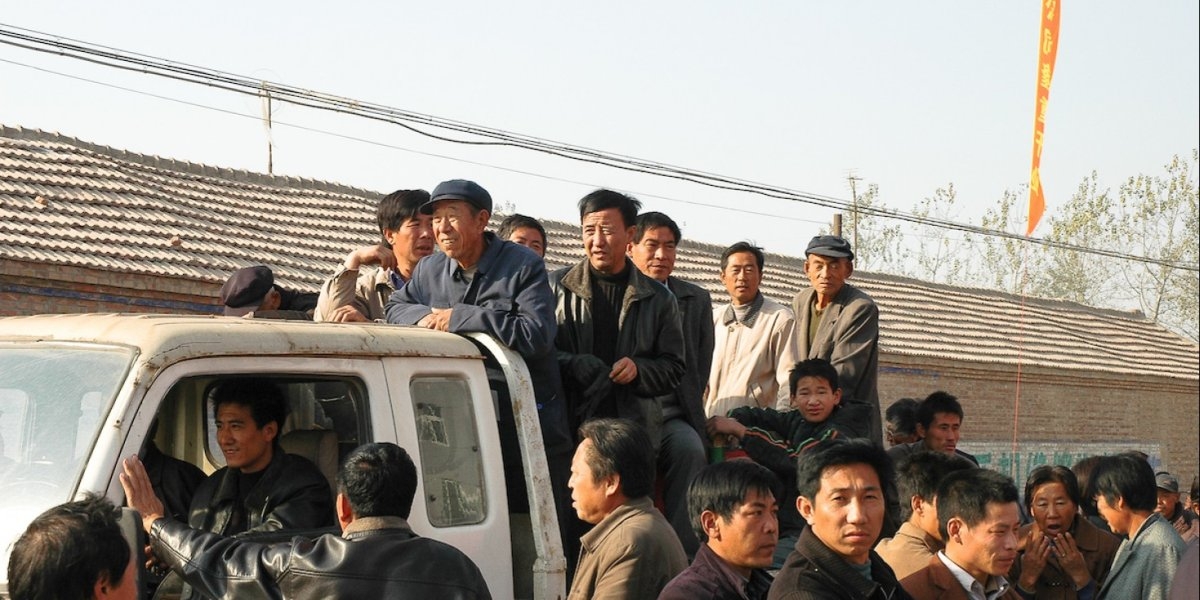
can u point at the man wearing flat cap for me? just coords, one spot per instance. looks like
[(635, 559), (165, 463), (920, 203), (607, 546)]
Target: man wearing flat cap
[(1169, 506), (481, 283), (838, 322), (251, 291)]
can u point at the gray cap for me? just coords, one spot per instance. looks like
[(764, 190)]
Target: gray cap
[(459, 189), (829, 245), (1166, 481)]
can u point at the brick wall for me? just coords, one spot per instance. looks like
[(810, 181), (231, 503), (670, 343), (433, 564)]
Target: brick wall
[(1063, 408), (28, 288)]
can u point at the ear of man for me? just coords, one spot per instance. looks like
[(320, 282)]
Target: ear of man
[(345, 514)]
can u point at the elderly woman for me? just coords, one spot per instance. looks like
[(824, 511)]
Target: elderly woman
[(1062, 554)]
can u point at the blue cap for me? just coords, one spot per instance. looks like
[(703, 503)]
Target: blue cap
[(459, 189)]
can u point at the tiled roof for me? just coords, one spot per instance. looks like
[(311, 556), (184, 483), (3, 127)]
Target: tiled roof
[(71, 202)]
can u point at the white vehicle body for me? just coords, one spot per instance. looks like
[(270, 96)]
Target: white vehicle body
[(80, 392)]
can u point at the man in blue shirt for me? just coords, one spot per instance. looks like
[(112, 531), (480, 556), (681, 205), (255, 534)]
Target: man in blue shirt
[(480, 283)]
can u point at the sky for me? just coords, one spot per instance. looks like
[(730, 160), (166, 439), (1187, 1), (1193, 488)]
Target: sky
[(910, 96)]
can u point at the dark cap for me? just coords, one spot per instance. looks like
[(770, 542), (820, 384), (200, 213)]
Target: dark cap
[(244, 291), (829, 245), (459, 189), (1166, 481)]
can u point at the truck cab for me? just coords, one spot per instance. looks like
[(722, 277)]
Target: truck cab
[(80, 392)]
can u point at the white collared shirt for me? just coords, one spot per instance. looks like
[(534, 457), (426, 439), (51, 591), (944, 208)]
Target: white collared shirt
[(996, 587)]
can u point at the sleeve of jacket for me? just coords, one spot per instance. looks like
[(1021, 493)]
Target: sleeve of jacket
[(767, 438), (708, 340), (525, 322), (857, 335), (659, 371), (338, 291), (783, 343), (410, 303), (208, 562)]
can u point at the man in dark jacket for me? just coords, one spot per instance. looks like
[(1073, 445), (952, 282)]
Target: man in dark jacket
[(261, 488), (251, 292), (681, 452), (376, 556), (842, 498), (733, 510), (620, 342)]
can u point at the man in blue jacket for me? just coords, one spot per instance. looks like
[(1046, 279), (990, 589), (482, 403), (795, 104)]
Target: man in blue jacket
[(480, 283)]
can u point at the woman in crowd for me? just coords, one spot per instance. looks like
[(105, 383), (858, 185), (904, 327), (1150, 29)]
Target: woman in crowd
[(1063, 555)]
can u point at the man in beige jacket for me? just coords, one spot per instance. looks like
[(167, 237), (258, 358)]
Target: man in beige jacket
[(407, 237), (754, 347)]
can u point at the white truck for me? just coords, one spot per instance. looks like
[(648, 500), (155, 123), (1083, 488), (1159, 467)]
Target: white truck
[(80, 392)]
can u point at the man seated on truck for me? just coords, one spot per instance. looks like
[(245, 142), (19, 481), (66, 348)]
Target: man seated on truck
[(631, 552), (406, 236), (261, 488), (377, 554)]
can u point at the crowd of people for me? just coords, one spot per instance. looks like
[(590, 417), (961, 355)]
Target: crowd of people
[(694, 451)]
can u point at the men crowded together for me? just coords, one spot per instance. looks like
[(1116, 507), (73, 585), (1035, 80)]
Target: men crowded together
[(635, 375)]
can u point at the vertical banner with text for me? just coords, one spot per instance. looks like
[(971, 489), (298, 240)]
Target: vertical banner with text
[(1047, 52)]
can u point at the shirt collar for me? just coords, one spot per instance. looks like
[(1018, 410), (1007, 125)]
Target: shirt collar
[(996, 585), (751, 314)]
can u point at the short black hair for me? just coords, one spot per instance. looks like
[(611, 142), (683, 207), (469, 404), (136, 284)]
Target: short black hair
[(1084, 469), (937, 402), (743, 247), (722, 488), (826, 454), (67, 549), (1194, 491), (1051, 474), (902, 414), (1128, 477), (514, 222), (397, 207), (603, 199), (379, 479), (919, 474), (965, 494), (813, 367), (266, 401), (620, 447), (651, 220)]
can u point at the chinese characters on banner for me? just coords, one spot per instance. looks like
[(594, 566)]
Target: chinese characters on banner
[(1047, 51)]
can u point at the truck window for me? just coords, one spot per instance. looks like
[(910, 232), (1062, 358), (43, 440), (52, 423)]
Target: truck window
[(451, 466), (327, 419)]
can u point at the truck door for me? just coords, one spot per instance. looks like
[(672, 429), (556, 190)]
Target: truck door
[(446, 419)]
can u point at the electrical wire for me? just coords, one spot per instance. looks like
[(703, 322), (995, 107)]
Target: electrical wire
[(486, 136)]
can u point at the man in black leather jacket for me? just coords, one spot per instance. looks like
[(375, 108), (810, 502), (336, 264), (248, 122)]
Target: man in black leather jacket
[(261, 488), (376, 556)]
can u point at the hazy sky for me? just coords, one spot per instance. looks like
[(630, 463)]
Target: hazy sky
[(908, 95)]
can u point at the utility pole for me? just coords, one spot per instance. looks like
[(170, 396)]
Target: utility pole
[(837, 224), (854, 203), (266, 99)]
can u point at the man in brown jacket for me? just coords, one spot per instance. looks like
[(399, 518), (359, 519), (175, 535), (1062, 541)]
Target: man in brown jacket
[(631, 552), (918, 539), (978, 517)]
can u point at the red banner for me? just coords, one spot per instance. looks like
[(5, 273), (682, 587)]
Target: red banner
[(1047, 52)]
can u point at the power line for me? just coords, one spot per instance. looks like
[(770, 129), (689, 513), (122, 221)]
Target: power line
[(486, 136), (402, 148)]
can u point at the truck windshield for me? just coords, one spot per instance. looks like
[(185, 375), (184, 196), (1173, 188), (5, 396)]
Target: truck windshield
[(53, 399)]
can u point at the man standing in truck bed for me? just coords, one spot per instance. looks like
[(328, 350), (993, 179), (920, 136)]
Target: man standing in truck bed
[(480, 283)]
